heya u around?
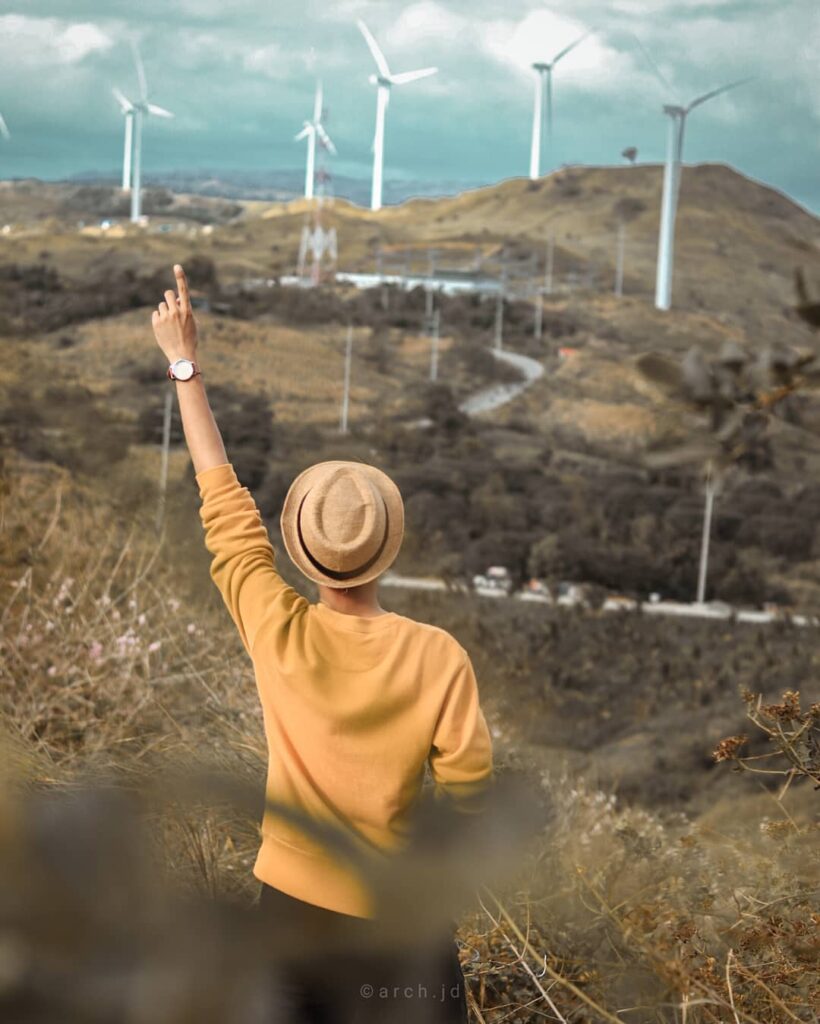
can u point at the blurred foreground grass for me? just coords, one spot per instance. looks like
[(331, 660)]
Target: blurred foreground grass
[(120, 891)]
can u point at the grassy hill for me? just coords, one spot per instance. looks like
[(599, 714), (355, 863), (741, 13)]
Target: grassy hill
[(117, 652), (74, 312)]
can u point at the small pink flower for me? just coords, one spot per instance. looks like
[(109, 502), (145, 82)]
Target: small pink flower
[(126, 640), (191, 627), (96, 650), (52, 670), (173, 604), (49, 626), (154, 646), (142, 619)]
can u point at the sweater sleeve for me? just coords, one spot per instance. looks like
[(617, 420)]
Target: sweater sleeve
[(243, 565), (461, 759)]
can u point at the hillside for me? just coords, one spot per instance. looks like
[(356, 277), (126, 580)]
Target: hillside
[(738, 241), (73, 312), (654, 864)]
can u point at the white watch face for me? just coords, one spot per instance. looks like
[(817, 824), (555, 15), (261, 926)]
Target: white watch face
[(183, 369)]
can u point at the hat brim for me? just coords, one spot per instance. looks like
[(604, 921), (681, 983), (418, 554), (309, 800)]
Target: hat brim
[(288, 520)]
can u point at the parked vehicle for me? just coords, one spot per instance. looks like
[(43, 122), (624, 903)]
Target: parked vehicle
[(496, 582), (571, 595), (535, 590), (617, 603)]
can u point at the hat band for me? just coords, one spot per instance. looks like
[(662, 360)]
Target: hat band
[(335, 573)]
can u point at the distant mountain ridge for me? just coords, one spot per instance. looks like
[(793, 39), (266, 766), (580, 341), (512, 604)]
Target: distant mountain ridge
[(279, 185)]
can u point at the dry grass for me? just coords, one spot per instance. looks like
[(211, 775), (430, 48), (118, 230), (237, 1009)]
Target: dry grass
[(612, 914)]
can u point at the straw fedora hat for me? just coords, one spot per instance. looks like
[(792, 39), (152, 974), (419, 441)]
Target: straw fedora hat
[(342, 523)]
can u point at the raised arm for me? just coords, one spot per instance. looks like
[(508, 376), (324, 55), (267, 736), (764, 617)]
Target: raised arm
[(243, 565), (176, 334)]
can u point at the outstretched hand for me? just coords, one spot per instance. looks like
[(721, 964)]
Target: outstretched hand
[(173, 321)]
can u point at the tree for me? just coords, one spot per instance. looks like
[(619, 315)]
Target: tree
[(736, 395)]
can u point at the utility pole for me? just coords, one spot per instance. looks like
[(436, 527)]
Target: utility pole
[(499, 305), (166, 444), (346, 391), (380, 275), (431, 269), (548, 269), (434, 347), (539, 314), (619, 260), (711, 488)]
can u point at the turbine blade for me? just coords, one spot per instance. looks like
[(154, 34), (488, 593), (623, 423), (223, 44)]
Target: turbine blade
[(317, 106), (378, 56), (326, 141), (152, 108), (716, 92), (303, 134), (126, 104), (412, 76), (140, 71), (656, 71), (571, 46), (4, 128)]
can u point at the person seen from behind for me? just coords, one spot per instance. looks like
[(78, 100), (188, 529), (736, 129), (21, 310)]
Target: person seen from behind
[(356, 700)]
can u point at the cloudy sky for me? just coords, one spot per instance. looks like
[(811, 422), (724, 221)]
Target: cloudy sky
[(240, 75)]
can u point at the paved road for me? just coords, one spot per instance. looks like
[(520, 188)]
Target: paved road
[(499, 394), (672, 608)]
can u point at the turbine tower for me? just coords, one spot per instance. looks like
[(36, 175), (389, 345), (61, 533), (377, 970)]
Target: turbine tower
[(384, 80), (312, 130), (671, 187), (127, 108), (543, 102), (142, 108)]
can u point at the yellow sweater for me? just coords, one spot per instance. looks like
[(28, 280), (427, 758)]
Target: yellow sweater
[(353, 708)]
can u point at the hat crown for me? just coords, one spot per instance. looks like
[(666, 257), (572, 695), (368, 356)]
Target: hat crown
[(342, 520)]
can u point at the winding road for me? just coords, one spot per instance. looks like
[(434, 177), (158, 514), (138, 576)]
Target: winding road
[(497, 395), (493, 397)]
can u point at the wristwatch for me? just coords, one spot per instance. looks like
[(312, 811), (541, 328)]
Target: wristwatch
[(183, 369)]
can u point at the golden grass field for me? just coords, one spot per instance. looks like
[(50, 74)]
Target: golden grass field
[(630, 902), (116, 657)]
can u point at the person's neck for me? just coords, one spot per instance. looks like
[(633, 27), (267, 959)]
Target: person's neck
[(362, 600)]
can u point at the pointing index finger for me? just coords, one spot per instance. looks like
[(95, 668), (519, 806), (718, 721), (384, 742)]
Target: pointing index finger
[(182, 287)]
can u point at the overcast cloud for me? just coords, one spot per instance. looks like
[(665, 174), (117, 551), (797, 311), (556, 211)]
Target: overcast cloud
[(240, 78)]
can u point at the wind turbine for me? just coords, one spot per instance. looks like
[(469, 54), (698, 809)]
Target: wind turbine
[(311, 130), (543, 99), (384, 80), (4, 128), (142, 108), (671, 187), (127, 108)]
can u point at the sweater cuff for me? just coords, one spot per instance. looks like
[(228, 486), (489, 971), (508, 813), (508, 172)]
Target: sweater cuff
[(215, 476)]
